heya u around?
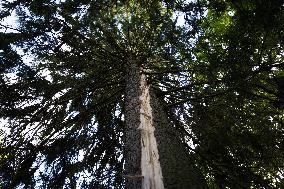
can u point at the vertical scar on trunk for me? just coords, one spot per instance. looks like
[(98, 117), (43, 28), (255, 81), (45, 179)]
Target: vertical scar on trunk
[(150, 165)]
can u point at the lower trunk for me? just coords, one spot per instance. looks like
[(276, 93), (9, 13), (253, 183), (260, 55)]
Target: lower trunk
[(132, 150), (178, 168), (142, 166), (151, 164)]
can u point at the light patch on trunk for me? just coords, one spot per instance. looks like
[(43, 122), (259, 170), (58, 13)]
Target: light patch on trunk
[(150, 165)]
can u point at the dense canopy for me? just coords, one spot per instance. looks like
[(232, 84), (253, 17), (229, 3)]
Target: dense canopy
[(216, 67)]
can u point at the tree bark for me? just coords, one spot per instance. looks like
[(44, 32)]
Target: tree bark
[(155, 157), (178, 168), (132, 149), (142, 166)]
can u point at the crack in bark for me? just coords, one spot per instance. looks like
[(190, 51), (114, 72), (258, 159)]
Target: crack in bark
[(150, 165)]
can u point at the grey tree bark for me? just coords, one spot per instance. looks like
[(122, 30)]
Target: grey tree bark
[(132, 150)]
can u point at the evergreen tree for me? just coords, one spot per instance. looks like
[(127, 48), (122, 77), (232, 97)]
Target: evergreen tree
[(120, 94)]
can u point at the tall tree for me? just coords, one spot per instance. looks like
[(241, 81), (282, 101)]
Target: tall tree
[(127, 94), (98, 56)]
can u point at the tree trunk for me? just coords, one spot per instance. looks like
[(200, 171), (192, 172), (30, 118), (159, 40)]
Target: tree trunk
[(143, 154), (132, 150), (178, 168)]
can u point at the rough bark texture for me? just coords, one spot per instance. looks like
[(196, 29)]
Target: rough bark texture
[(179, 172), (132, 151)]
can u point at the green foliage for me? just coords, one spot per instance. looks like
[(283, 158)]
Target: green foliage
[(220, 75), (238, 129)]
